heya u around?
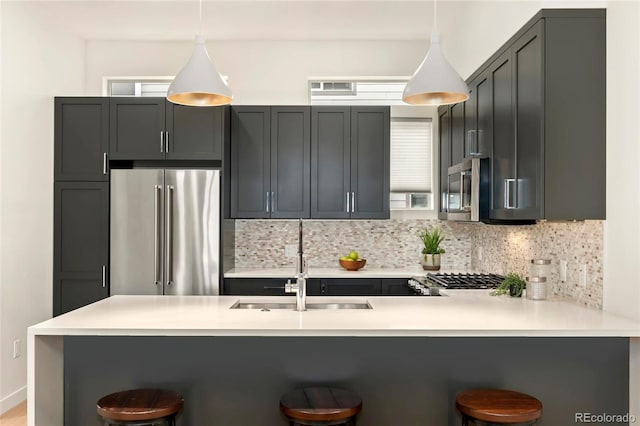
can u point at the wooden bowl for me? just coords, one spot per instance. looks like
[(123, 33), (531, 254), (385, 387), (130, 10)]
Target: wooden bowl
[(352, 265)]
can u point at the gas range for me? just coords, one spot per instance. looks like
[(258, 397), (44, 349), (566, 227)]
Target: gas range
[(431, 284)]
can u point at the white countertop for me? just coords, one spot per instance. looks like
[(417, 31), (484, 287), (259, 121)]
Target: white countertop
[(464, 313), (337, 272)]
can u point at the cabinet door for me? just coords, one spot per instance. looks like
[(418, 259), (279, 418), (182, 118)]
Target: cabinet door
[(480, 140), (330, 162), (290, 162), (194, 133), (250, 162), (470, 122), (396, 287), (81, 139), (445, 156), (255, 287), (370, 162), (457, 133), (81, 244), (504, 148), (136, 128), (527, 63), (351, 287)]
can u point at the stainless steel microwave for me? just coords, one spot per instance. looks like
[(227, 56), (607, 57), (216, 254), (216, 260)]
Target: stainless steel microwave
[(468, 191)]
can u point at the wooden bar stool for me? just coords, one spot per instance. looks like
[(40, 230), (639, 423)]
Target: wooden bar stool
[(497, 406), (320, 406), (140, 407)]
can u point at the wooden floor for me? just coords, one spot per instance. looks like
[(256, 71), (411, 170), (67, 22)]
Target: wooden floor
[(17, 416)]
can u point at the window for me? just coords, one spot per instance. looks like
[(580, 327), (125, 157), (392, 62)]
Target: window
[(411, 163), (412, 150)]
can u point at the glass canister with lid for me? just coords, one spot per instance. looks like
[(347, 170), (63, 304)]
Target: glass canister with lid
[(537, 279)]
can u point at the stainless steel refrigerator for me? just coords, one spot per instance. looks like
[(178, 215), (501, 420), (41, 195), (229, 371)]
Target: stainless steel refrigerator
[(165, 231)]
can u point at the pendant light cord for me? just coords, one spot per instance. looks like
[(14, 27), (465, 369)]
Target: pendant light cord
[(201, 17), (435, 21)]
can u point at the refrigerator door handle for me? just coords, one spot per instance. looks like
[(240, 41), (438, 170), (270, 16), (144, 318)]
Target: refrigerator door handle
[(157, 231), (169, 236)]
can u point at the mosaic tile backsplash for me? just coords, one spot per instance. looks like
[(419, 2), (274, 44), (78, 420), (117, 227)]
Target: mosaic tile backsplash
[(473, 246)]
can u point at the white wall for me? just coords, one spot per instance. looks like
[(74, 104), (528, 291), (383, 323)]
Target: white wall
[(622, 228), (260, 72), (37, 63)]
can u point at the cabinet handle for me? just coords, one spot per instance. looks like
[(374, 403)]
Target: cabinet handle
[(353, 202), (169, 235), (273, 202), (323, 289), (104, 163), (161, 141), (507, 193), (104, 276), (347, 202), (273, 287), (462, 206), (166, 141), (268, 200), (156, 235)]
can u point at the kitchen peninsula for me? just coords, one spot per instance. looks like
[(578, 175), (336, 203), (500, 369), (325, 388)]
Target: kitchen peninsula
[(397, 355)]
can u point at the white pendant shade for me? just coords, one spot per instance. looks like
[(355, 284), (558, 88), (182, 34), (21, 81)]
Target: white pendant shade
[(435, 82), (199, 83)]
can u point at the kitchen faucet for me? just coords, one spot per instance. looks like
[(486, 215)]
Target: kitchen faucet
[(300, 286)]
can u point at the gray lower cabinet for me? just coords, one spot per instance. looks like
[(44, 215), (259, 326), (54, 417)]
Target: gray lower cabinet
[(81, 139), (81, 244), (350, 160), (319, 287), (145, 128), (270, 162), (264, 287)]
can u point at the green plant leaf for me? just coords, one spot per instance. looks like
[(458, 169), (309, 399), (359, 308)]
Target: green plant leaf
[(431, 241)]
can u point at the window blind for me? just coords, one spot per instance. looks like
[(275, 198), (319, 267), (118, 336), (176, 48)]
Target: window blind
[(411, 152)]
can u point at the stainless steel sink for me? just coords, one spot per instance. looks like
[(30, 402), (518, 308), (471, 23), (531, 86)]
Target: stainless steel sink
[(267, 306)]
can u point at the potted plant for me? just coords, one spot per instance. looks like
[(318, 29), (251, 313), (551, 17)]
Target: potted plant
[(431, 251), (513, 284)]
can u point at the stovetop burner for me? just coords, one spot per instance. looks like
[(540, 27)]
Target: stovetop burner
[(465, 281)]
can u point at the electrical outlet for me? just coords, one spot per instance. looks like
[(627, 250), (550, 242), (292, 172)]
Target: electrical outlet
[(563, 271), (16, 348), (583, 275), (290, 250)]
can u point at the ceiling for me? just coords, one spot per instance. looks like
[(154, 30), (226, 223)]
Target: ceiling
[(247, 19)]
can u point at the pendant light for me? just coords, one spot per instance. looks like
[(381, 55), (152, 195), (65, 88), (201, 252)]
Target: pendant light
[(199, 83), (435, 82)]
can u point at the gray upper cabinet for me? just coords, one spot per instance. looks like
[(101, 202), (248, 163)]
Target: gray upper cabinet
[(537, 110), (290, 162), (477, 118), (270, 162), (81, 139), (504, 148), (195, 133), (330, 162), (549, 127), (457, 133), (350, 160), (137, 129), (370, 162), (444, 125), (81, 244), (155, 129)]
